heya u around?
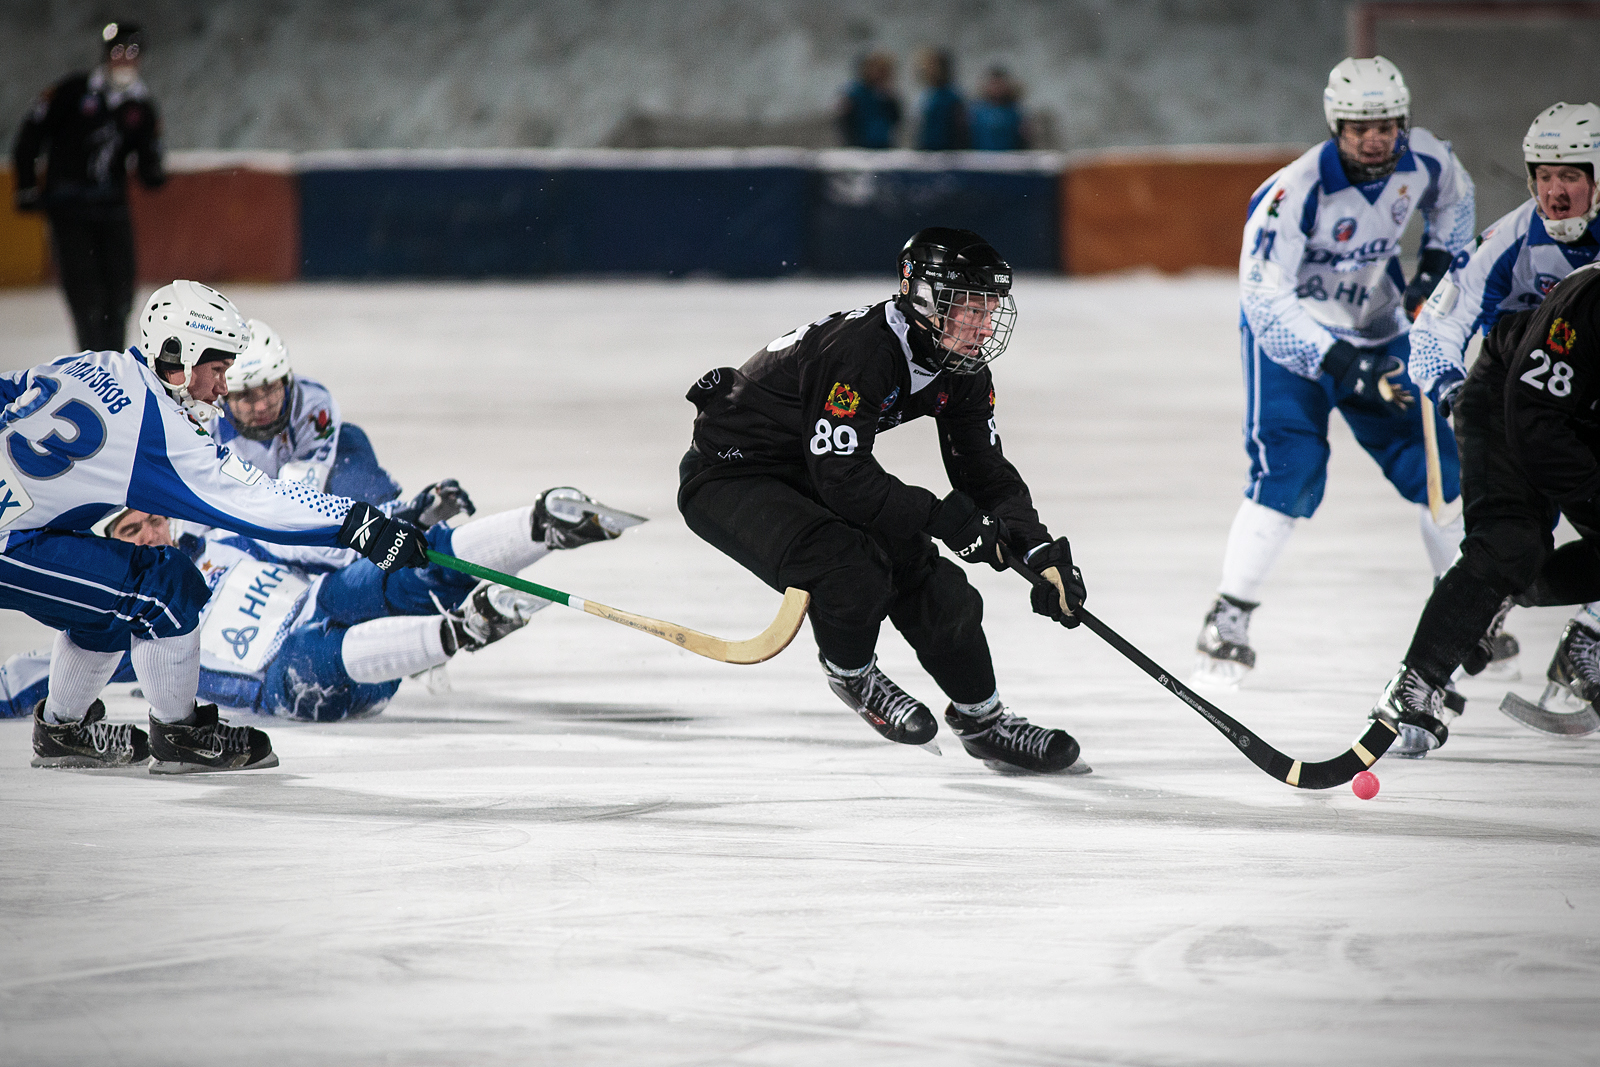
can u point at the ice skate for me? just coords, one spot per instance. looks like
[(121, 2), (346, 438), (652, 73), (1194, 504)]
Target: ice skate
[(489, 613), (886, 707), (207, 744), (566, 518), (1224, 653), (1495, 654), (1416, 707), (91, 742), (1007, 742), (1574, 671)]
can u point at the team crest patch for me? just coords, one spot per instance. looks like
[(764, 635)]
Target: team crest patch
[(940, 401), (888, 401), (842, 401), (1400, 208), (1545, 282), (1344, 229), (1562, 337), (322, 423), (1272, 208)]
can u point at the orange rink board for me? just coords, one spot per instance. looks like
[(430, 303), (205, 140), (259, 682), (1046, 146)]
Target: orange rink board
[(24, 253), (233, 224), (1167, 209)]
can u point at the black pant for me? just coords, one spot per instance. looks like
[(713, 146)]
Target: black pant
[(773, 525), (1508, 549), (94, 254)]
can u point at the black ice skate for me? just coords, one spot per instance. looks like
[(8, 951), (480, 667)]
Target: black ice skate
[(1416, 707), (1224, 652), (489, 613), (886, 707), (207, 744), (90, 743), (1574, 672), (1007, 742), (566, 518), (1495, 654)]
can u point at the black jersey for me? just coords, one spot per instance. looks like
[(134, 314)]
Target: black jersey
[(1552, 391), (89, 130), (810, 404)]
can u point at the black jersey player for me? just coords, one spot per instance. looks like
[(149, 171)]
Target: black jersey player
[(1527, 427), (782, 478)]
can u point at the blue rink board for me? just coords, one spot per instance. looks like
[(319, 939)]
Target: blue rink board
[(737, 222)]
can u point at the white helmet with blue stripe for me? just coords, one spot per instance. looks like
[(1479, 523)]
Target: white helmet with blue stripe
[(1362, 90)]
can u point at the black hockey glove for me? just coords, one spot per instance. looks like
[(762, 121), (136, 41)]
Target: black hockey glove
[(1445, 390), (439, 502), (387, 542), (1432, 265), (973, 535), (1367, 378), (1054, 561)]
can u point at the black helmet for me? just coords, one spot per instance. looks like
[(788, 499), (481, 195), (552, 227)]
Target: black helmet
[(944, 271)]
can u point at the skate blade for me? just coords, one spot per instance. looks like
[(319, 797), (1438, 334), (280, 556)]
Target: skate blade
[(1550, 723), (613, 520), (1008, 770), (931, 748), (1217, 673), (173, 767), (82, 763)]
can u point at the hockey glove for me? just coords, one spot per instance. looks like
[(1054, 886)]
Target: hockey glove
[(29, 200), (971, 534), (439, 502), (1445, 390), (1054, 561), (1432, 265), (389, 543), (1367, 378)]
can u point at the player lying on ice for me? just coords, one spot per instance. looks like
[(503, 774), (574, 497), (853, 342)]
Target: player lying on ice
[(1530, 453), (782, 478), (90, 434), (1514, 265), (322, 634)]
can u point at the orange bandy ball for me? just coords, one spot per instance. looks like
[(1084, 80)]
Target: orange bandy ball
[(1365, 785)]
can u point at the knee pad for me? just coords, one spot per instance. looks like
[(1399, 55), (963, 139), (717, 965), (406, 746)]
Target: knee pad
[(944, 606), (855, 593), (169, 593), (1506, 556)]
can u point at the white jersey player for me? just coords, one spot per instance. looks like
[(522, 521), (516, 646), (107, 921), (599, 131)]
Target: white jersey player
[(321, 634), (1323, 323), (1515, 264), (289, 425), (88, 434)]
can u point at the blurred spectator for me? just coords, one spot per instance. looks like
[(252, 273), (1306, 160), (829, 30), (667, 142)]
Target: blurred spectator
[(943, 114), (869, 114), (89, 126), (996, 120)]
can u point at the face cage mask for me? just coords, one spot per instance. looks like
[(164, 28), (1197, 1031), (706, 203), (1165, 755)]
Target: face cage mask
[(951, 302), (1361, 173), (272, 429), (1566, 230)]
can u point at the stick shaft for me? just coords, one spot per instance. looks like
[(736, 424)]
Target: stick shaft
[(1430, 450), (542, 591)]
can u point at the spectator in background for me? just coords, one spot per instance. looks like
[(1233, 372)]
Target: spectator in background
[(996, 119), (89, 127), (943, 113), (869, 113)]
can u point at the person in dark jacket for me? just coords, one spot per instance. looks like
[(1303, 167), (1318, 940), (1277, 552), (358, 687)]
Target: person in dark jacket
[(782, 478), (943, 124), (1529, 438), (995, 119), (869, 112), (90, 127)]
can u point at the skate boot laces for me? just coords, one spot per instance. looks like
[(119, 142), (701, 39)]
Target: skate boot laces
[(1231, 622), (879, 692), (1020, 735)]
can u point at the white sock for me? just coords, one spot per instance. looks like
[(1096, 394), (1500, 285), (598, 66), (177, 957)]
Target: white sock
[(77, 676), (1255, 540), (503, 541), (169, 672), (385, 649), (980, 709), (1589, 616), (1442, 542)]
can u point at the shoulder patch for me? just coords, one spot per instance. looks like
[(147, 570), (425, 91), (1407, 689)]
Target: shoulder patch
[(1562, 337), (322, 423), (842, 401)]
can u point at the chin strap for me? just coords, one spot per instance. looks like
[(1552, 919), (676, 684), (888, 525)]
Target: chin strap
[(1569, 230)]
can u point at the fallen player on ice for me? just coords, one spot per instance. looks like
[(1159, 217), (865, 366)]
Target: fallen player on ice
[(321, 634)]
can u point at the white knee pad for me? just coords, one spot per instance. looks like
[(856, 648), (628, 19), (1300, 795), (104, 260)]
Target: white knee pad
[(503, 541), (1255, 541), (169, 672), (385, 649), (77, 676)]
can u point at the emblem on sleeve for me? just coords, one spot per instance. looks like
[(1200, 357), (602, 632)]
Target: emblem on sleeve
[(322, 423), (842, 401), (991, 398), (1562, 337), (1344, 229)]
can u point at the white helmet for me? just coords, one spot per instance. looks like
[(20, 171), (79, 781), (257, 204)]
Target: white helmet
[(1365, 89), (1566, 135), (264, 360), (185, 324)]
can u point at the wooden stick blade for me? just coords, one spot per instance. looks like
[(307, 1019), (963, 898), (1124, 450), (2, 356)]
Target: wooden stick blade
[(768, 643)]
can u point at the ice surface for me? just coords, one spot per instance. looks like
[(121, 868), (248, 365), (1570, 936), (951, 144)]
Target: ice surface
[(599, 849)]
